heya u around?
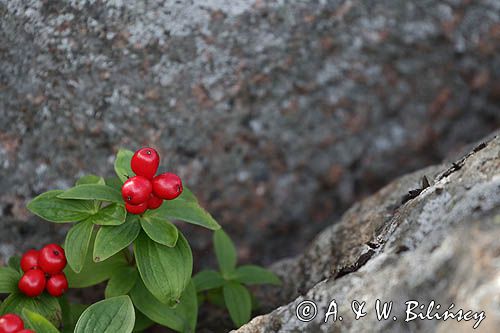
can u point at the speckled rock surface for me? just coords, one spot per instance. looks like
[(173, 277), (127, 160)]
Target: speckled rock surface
[(441, 245), (279, 114)]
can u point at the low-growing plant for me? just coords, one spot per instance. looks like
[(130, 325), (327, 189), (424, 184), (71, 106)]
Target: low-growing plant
[(122, 234), (226, 287)]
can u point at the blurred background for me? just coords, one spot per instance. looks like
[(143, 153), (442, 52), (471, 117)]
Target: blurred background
[(277, 114)]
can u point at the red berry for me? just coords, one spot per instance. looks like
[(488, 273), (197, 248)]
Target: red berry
[(136, 209), (11, 323), (52, 259), (57, 285), (154, 202), (25, 331), (29, 260), (136, 190), (145, 162), (167, 186), (32, 283)]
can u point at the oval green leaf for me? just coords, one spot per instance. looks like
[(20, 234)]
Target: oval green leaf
[(181, 318), (225, 252), (251, 274), (94, 273), (8, 280), (115, 183), (77, 244), (71, 312), (186, 208), (122, 281), (166, 271), (122, 164), (141, 321), (159, 229), (208, 279), (37, 322), (113, 214), (112, 239), (239, 302), (15, 263), (44, 304), (51, 208), (109, 316), (90, 179), (92, 192)]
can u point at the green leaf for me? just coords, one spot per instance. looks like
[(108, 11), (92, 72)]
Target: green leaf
[(225, 252), (77, 244), (92, 192), (67, 319), (122, 281), (51, 208), (208, 279), (122, 164), (112, 239), (186, 208), (141, 321), (166, 271), (115, 183), (15, 263), (8, 280), (238, 302), (182, 318), (159, 229), (44, 304), (109, 316), (251, 274), (94, 273), (77, 310), (71, 312), (90, 179), (37, 322), (113, 214)]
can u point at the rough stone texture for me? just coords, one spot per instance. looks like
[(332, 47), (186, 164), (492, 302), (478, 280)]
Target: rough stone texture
[(442, 245), (274, 112)]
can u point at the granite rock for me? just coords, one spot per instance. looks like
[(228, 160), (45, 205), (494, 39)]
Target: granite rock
[(442, 244), (274, 112)]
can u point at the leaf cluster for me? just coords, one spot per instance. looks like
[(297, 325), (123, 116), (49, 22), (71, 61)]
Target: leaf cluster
[(145, 261)]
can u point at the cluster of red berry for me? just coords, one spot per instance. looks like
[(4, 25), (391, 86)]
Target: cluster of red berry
[(11, 323), (145, 191), (43, 270)]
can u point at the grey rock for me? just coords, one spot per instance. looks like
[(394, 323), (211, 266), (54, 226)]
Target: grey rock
[(441, 245), (274, 112)]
